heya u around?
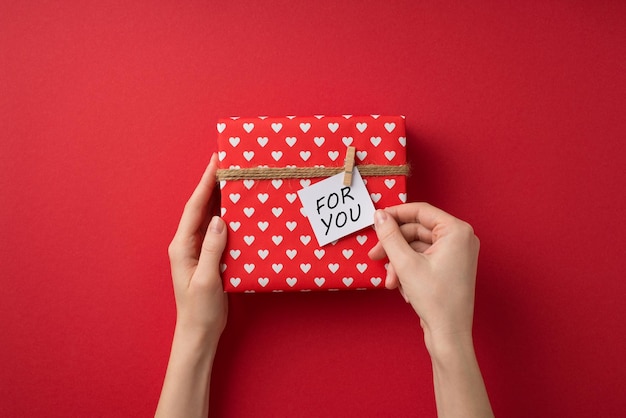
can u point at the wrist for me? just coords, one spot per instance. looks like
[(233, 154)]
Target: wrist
[(445, 348), (196, 342)]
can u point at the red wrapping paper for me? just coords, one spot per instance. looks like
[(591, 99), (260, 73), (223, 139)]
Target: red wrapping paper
[(271, 245)]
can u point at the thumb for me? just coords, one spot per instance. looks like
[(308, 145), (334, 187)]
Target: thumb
[(212, 248), (390, 237)]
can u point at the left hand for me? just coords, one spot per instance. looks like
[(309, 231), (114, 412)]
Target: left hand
[(195, 253)]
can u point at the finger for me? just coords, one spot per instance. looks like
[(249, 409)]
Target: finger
[(391, 280), (419, 237), (420, 212), (392, 241), (401, 290), (419, 247), (212, 249), (212, 209), (196, 208)]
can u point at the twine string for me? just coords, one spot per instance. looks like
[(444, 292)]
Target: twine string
[(260, 173)]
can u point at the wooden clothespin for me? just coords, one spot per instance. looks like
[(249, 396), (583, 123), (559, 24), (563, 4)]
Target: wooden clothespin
[(348, 166)]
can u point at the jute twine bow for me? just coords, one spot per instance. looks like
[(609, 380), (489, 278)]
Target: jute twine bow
[(260, 173)]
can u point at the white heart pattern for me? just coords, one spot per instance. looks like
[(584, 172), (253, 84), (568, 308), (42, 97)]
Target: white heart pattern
[(273, 259)]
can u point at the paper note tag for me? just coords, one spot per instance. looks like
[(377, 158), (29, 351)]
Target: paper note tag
[(335, 210)]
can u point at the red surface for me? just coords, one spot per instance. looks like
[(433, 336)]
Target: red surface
[(271, 244), (515, 122)]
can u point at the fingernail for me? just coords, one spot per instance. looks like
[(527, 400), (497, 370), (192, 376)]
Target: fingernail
[(216, 225), (380, 216)]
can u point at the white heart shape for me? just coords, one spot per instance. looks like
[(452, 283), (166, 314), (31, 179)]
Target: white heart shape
[(291, 225), (248, 239), (263, 254), (248, 211), (276, 126), (263, 225), (277, 267), (234, 140), (262, 140), (263, 281), (263, 197), (277, 239), (361, 239), (347, 281), (361, 155), (375, 140), (234, 225), (390, 126), (305, 182), (305, 239), (235, 254), (402, 140), (248, 183), (402, 197), (291, 140), (305, 126), (376, 281), (333, 267), (291, 197), (333, 127), (305, 155), (248, 127), (319, 281), (390, 154), (248, 155), (361, 267), (305, 267), (319, 253), (221, 127), (291, 253), (277, 211), (234, 197), (235, 281), (333, 155), (375, 197), (347, 140), (248, 267), (277, 155), (361, 126), (223, 211), (221, 155), (347, 253), (319, 140), (291, 281), (277, 183), (390, 183)]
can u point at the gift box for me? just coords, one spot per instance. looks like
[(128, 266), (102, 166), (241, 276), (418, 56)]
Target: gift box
[(265, 161)]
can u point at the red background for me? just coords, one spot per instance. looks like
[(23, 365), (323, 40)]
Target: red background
[(515, 120)]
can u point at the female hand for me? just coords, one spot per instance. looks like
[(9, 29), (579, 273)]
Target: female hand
[(201, 304), (195, 253), (433, 259)]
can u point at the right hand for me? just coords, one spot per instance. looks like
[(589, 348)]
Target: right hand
[(433, 260)]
